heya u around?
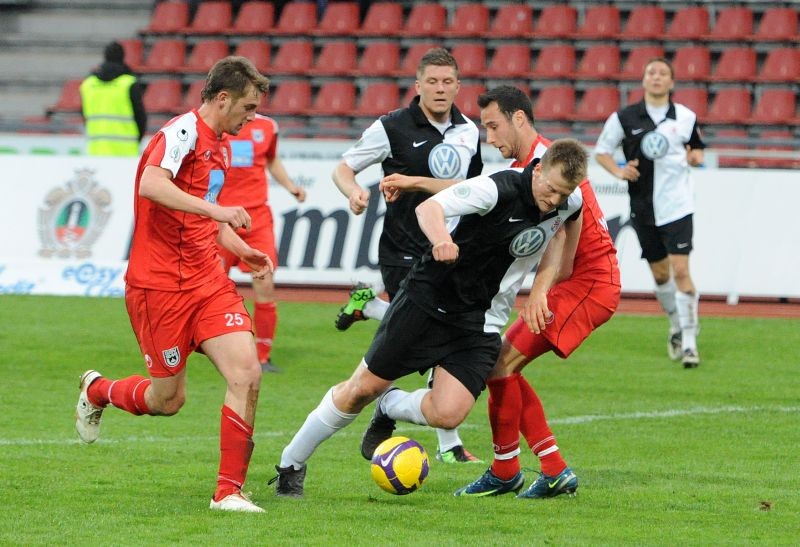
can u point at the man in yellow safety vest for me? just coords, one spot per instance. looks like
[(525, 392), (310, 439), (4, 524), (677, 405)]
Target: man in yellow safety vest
[(112, 107)]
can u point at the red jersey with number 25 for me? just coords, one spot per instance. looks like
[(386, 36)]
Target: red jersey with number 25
[(252, 150), (173, 250)]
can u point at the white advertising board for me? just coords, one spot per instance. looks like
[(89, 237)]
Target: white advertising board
[(67, 222)]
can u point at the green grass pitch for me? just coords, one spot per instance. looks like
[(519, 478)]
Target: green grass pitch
[(664, 455)]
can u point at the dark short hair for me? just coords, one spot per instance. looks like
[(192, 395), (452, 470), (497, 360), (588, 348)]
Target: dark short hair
[(509, 99), (113, 53), (233, 74), (661, 60), (571, 156), (437, 56)]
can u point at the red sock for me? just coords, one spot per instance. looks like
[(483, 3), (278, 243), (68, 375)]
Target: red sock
[(235, 447), (266, 319), (534, 428), (126, 394), (505, 405)]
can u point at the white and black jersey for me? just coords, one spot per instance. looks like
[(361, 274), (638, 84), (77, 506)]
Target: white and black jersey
[(405, 142), (501, 236), (663, 192)]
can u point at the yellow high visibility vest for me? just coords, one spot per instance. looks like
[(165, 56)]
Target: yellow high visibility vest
[(111, 129)]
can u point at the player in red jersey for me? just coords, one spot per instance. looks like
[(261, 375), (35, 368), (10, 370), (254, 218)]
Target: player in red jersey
[(254, 150), (178, 296), (584, 295)]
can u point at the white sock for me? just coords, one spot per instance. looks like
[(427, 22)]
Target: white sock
[(687, 311), (665, 293), (404, 406), (323, 422), (376, 308), (448, 438)]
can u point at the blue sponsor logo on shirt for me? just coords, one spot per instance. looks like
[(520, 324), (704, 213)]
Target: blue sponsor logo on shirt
[(216, 178), (242, 153)]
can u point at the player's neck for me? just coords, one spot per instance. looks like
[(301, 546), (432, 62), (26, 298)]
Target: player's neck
[(210, 117), (527, 139), (656, 100)]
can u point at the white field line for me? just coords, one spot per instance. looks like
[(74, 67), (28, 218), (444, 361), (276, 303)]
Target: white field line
[(571, 420)]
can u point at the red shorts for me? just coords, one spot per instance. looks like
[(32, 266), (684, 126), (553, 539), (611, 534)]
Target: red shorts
[(170, 325), (579, 306), (261, 236)]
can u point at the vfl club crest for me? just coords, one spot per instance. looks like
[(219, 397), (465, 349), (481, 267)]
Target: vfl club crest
[(73, 217), (527, 242), (654, 145), (444, 161)]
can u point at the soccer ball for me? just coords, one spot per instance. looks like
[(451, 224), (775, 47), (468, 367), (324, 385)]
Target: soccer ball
[(399, 465)]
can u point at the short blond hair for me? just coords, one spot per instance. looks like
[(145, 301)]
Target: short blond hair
[(571, 157)]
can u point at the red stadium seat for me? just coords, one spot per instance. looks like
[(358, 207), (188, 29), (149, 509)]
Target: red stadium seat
[(471, 58), (331, 128), (165, 56), (258, 51), (293, 57), (379, 59), (291, 97), (633, 68), (191, 99), (377, 99), (469, 20), (297, 18), (70, 98), (599, 63), (644, 23), (204, 54), (163, 97), (597, 104), (556, 21), (555, 103), (692, 63), (689, 23), (736, 64), (771, 141), (425, 20), (694, 98), (338, 19), (599, 22), (408, 96), (211, 18), (555, 62), (382, 19), (733, 24), (334, 99), (733, 161), (781, 65), (634, 95), (510, 61), (467, 100), (255, 17), (134, 53), (777, 24), (512, 21), (336, 57), (168, 18), (730, 105), (408, 67), (776, 106)]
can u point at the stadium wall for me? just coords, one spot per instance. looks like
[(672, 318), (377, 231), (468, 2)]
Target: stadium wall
[(67, 223)]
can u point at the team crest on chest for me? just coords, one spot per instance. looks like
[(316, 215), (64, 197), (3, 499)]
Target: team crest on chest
[(225, 157), (444, 161), (527, 242), (172, 356), (654, 145)]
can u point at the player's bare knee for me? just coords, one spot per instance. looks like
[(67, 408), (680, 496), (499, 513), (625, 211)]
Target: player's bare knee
[(169, 406)]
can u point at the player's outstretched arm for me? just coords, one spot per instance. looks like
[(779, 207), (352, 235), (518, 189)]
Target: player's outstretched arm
[(278, 172), (395, 184), (156, 185)]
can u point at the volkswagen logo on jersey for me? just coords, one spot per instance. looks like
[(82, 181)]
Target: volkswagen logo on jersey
[(654, 145), (444, 161), (527, 242)]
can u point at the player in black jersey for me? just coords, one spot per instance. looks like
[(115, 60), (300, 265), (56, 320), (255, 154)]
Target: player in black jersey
[(486, 234)]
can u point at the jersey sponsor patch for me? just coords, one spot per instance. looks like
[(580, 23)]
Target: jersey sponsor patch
[(216, 178), (654, 145), (172, 356), (243, 153), (527, 242), (444, 161)]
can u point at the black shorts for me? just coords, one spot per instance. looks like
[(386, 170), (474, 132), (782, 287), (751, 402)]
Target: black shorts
[(392, 276), (657, 242), (409, 340)]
